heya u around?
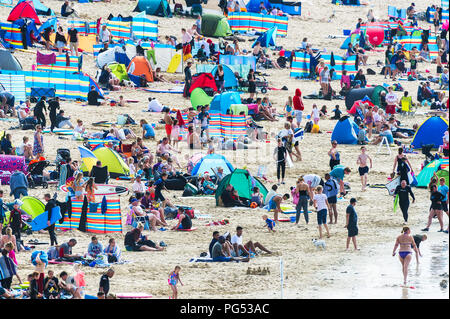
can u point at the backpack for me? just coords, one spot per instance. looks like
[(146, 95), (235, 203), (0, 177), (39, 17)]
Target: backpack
[(308, 127)]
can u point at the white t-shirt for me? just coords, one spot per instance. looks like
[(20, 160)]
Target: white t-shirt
[(154, 106), (236, 240), (315, 112), (285, 132), (104, 35), (138, 187), (391, 98), (377, 117), (78, 129), (312, 180), (20, 149), (121, 133), (321, 201)]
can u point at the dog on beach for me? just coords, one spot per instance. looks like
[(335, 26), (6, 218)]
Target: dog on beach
[(319, 243)]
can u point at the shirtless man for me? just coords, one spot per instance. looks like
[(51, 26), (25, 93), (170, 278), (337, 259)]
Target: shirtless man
[(363, 168), (275, 205), (169, 122)]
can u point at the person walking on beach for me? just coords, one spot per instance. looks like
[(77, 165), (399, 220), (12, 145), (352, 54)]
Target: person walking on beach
[(322, 206), (174, 278), (405, 241), (280, 154), (363, 168), (331, 189), (403, 191), (351, 224), (436, 198), (335, 158), (303, 193)]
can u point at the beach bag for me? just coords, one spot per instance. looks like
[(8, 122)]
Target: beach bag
[(308, 127)]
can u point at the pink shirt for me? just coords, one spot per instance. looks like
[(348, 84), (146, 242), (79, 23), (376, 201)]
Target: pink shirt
[(345, 79)]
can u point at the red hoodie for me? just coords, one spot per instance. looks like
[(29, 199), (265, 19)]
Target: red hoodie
[(297, 100)]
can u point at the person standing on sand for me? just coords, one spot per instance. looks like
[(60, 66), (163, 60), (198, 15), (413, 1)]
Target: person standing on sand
[(403, 191), (406, 241), (351, 224), (322, 206), (363, 168), (169, 122)]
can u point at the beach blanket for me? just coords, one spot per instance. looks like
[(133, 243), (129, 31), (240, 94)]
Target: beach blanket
[(45, 59)]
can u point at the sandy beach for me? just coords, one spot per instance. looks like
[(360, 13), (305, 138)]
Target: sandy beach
[(309, 272)]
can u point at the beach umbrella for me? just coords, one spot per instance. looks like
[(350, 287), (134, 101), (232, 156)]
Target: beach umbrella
[(88, 157)]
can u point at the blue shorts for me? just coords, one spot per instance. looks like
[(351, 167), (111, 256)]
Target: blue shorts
[(272, 205), (393, 67), (322, 217)]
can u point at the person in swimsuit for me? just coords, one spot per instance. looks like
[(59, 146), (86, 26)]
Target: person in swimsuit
[(335, 158), (368, 120), (168, 123), (174, 278), (363, 168), (78, 186), (303, 191), (405, 241), (90, 190)]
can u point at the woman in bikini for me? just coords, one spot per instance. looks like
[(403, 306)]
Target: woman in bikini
[(78, 186), (406, 241), (90, 190)]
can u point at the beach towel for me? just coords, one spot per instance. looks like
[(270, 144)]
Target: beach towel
[(45, 58)]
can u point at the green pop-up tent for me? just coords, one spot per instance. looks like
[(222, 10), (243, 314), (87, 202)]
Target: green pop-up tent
[(214, 25), (243, 182)]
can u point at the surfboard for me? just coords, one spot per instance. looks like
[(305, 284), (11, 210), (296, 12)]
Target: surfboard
[(40, 222), (284, 220), (174, 63), (103, 190), (392, 185), (395, 203)]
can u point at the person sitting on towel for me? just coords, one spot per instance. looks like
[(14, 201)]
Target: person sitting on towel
[(184, 221), (66, 9), (95, 248), (62, 121), (94, 97)]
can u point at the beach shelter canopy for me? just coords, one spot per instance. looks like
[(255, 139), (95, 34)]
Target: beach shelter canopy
[(24, 9), (119, 70), (290, 7), (243, 182), (345, 131), (214, 25), (40, 8), (253, 5), (199, 97), (221, 102), (32, 206), (430, 131), (438, 166), (110, 158), (9, 61), (159, 8), (230, 81), (139, 66), (203, 80), (211, 162), (268, 38)]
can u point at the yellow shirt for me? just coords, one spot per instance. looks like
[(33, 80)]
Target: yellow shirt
[(406, 102)]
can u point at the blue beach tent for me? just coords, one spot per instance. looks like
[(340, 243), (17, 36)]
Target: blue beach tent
[(268, 38), (430, 131), (211, 162), (221, 102), (159, 8), (345, 131), (228, 76)]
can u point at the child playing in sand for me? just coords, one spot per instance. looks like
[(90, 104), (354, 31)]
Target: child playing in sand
[(175, 133), (269, 223), (132, 167), (121, 101), (363, 168), (174, 277)]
